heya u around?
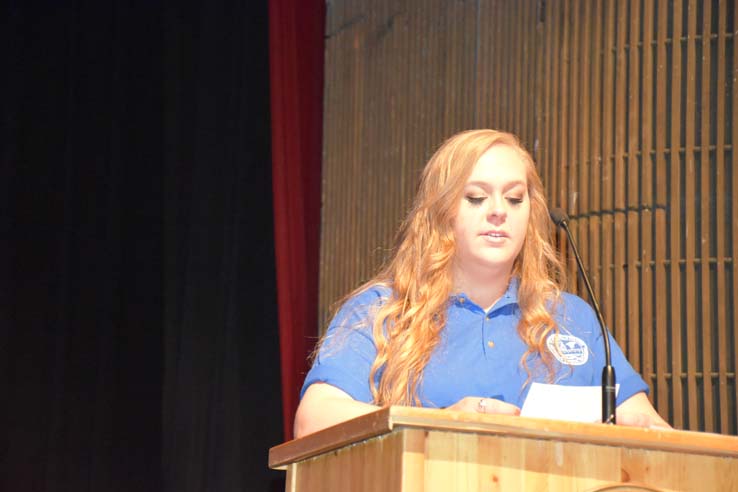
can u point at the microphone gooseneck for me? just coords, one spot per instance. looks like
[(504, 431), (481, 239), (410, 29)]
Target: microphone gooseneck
[(560, 218)]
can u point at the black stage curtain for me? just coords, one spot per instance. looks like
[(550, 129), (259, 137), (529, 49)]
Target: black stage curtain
[(139, 335)]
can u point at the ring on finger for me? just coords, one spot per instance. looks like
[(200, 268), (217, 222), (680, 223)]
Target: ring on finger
[(482, 405)]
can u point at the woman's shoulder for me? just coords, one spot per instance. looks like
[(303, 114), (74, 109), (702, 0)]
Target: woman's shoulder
[(574, 307), (372, 295), (359, 308), (573, 301)]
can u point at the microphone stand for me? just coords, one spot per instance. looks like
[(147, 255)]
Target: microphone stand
[(560, 218)]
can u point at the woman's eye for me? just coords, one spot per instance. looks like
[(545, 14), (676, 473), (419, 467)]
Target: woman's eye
[(475, 200), (515, 200)]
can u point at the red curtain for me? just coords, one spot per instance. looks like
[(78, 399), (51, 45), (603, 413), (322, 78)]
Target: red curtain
[(296, 83)]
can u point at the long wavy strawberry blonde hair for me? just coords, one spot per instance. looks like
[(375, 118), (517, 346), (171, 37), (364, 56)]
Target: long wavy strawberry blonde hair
[(407, 327)]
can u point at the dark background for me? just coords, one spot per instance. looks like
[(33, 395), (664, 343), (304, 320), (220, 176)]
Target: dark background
[(139, 320)]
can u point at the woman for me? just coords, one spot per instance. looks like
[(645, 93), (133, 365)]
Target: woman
[(469, 310)]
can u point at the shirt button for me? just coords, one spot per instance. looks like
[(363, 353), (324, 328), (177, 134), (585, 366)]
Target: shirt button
[(491, 344), (461, 300)]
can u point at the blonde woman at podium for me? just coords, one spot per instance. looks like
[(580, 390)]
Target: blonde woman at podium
[(469, 311)]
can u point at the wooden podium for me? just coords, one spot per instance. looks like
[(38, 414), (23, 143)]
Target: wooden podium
[(418, 449)]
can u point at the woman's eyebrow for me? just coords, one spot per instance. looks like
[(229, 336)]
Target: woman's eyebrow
[(505, 186)]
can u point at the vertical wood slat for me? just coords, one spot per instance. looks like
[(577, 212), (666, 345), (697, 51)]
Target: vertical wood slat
[(675, 233), (362, 99), (528, 104), (487, 57), (562, 170), (720, 233), (517, 84), (608, 150), (501, 112), (663, 402), (548, 147), (533, 28), (507, 50), (580, 122), (572, 90), (706, 240), (483, 51), (734, 216), (594, 155), (571, 162), (619, 236), (583, 116), (505, 76), (480, 52), (548, 144), (632, 214), (568, 165), (541, 86), (563, 103), (545, 148), (646, 320), (689, 212), (332, 113)]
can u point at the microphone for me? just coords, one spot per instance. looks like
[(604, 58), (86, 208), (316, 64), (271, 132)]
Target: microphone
[(560, 218)]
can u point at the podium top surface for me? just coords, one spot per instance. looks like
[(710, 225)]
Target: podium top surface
[(387, 419)]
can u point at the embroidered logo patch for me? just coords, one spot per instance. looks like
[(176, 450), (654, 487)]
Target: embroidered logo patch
[(568, 349)]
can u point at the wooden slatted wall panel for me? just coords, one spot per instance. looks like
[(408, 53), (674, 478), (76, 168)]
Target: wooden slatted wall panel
[(400, 78), (627, 107)]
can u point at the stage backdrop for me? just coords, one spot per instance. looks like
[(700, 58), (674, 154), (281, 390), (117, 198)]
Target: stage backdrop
[(628, 108), (138, 317)]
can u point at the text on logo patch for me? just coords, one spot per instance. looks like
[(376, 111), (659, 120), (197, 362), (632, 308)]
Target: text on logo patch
[(568, 349)]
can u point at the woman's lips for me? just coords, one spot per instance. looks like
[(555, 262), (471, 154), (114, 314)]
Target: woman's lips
[(495, 234)]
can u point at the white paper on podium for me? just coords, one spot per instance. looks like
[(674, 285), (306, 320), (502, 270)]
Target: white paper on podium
[(573, 403)]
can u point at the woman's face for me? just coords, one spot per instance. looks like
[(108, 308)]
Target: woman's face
[(492, 217)]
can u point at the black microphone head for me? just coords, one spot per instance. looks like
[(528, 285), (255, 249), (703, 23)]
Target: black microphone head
[(558, 216)]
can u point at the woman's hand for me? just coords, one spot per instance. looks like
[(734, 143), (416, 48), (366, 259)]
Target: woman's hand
[(637, 411), (484, 405)]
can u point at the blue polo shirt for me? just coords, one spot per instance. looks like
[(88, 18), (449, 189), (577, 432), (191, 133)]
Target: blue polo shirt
[(479, 353)]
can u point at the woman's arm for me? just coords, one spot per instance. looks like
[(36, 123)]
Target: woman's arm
[(637, 411), (324, 405)]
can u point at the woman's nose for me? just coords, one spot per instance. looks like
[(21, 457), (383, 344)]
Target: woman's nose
[(496, 207)]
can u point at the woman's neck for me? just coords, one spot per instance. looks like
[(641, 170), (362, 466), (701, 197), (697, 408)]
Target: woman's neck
[(484, 291)]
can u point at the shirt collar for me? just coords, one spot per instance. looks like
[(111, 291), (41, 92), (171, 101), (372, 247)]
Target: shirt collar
[(509, 297)]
